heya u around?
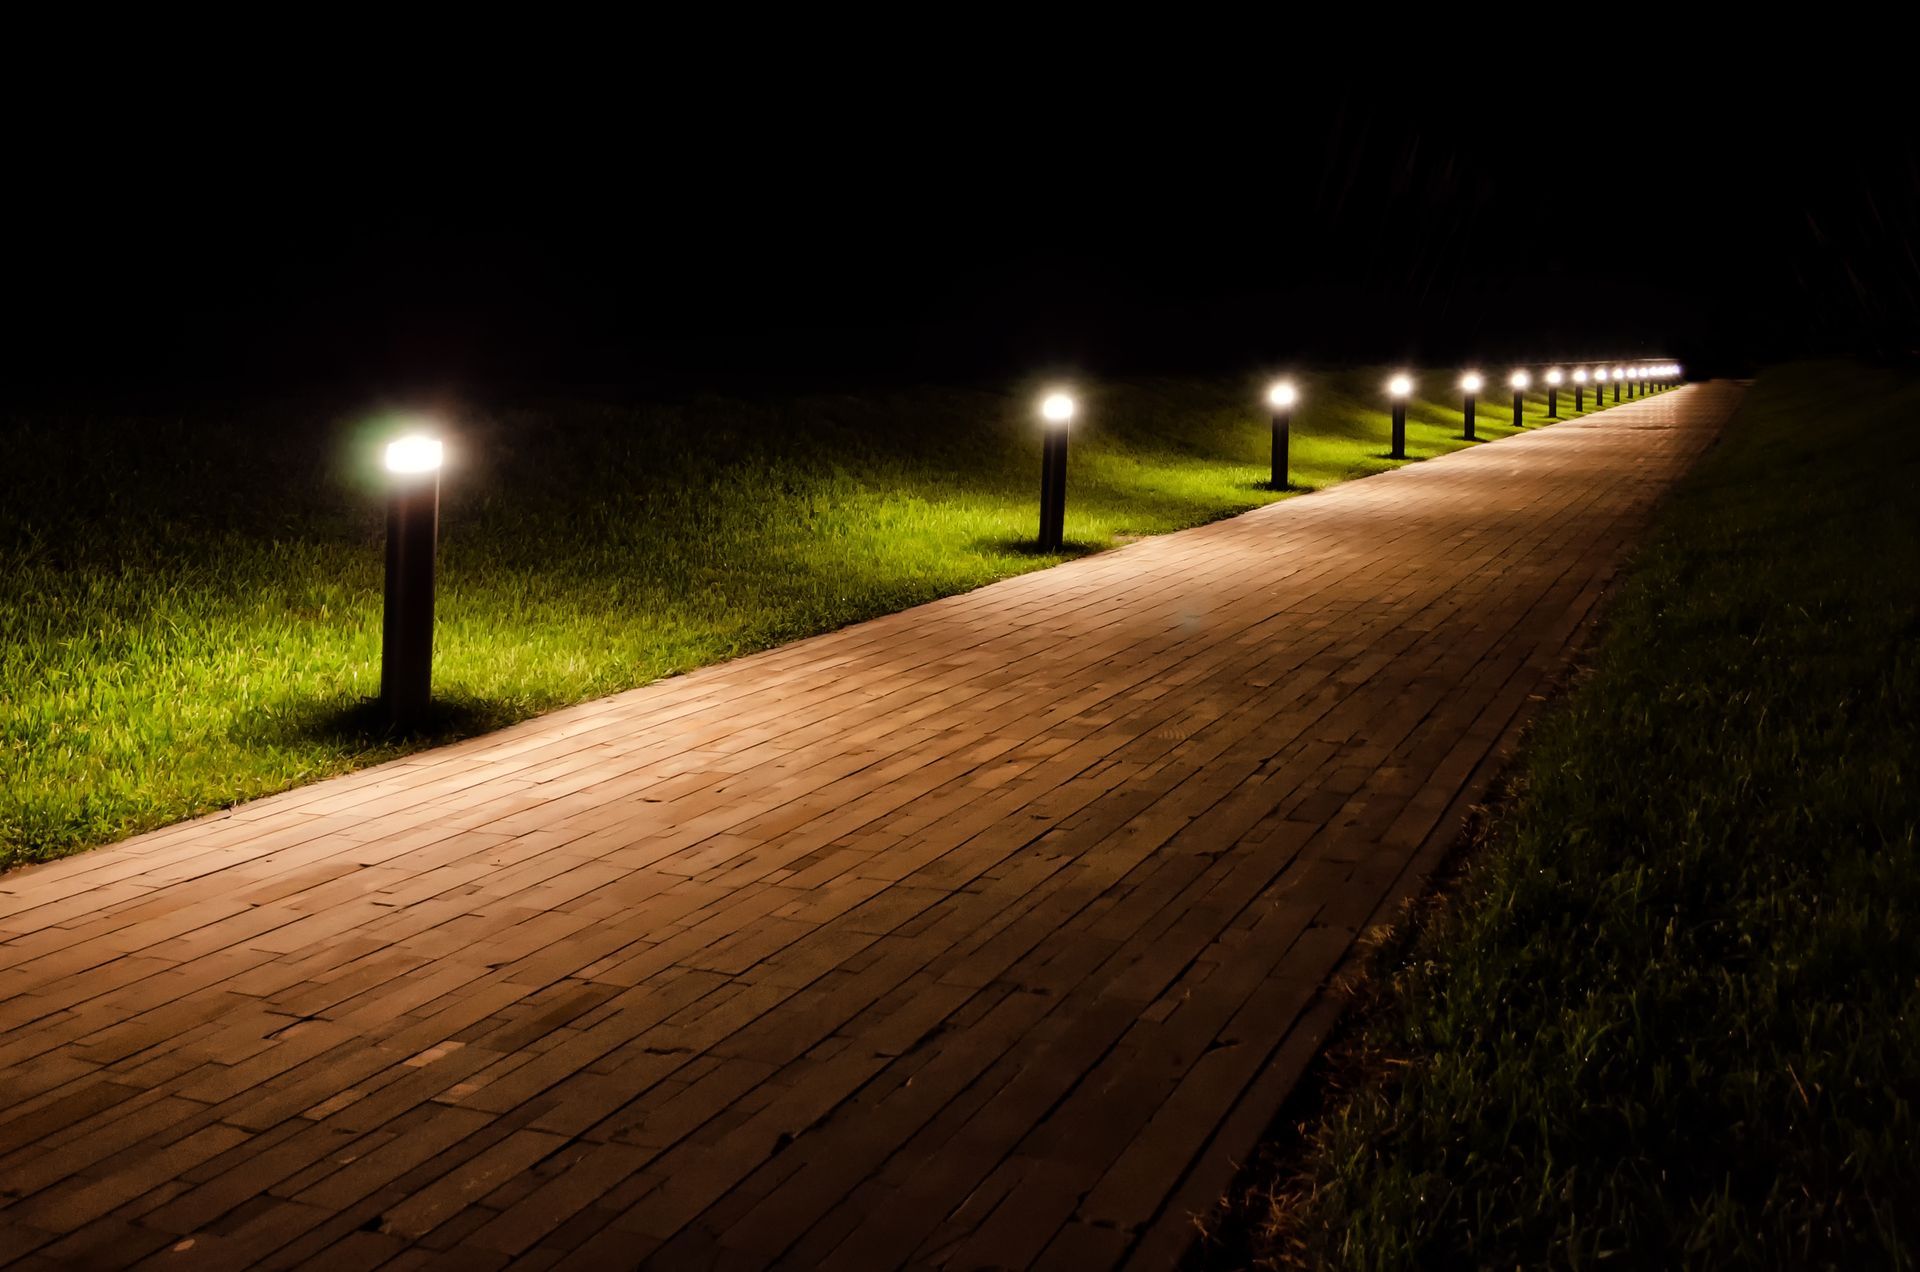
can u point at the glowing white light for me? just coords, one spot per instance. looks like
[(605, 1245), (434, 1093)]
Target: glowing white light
[(1519, 379), (413, 454), (1281, 394), (1619, 373), (1600, 375), (1471, 381), (1554, 376), (1400, 385), (1580, 375), (1058, 408)]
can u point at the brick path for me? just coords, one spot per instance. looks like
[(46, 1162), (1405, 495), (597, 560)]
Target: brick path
[(985, 934)]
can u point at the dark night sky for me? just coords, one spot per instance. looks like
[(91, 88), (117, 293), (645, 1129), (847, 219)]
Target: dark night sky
[(821, 227)]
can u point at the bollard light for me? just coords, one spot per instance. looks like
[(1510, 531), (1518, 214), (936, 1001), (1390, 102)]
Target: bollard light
[(413, 532), (1281, 396), (1056, 412), (1553, 393), (1616, 377), (1579, 389), (1398, 388), (1519, 380), (1470, 384)]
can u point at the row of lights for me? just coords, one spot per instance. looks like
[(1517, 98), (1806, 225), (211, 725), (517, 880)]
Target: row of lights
[(1058, 409), (413, 507)]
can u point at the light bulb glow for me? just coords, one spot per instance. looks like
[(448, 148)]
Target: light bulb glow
[(1281, 394), (1471, 382), (1554, 376), (1519, 379), (413, 454), (1580, 375), (1057, 408), (1619, 373), (1400, 385)]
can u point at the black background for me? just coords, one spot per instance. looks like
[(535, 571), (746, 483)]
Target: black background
[(545, 220)]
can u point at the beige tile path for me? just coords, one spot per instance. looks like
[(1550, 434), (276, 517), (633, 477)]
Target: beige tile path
[(987, 934)]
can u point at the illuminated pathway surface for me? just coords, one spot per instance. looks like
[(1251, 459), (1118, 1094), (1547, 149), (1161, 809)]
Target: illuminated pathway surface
[(985, 934)]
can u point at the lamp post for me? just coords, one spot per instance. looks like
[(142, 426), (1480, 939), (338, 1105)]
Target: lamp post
[(1056, 411), (1281, 397), (413, 531), (1398, 388), (1519, 380), (1553, 393), (1579, 389), (1469, 385), (1618, 374)]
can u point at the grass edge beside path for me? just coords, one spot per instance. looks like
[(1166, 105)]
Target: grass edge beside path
[(1669, 1013)]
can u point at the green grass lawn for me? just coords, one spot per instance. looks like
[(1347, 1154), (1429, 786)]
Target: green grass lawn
[(190, 606), (1670, 1016)]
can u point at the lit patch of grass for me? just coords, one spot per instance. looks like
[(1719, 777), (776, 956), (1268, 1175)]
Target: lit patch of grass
[(1672, 1015), (190, 608)]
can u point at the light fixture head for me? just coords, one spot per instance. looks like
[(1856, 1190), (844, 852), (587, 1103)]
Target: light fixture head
[(1400, 385), (1554, 376), (414, 453), (1579, 375), (1619, 373), (1057, 408), (1281, 394), (1519, 379), (1471, 382)]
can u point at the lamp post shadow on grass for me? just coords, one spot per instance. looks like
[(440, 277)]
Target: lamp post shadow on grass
[(1028, 546), (367, 723)]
